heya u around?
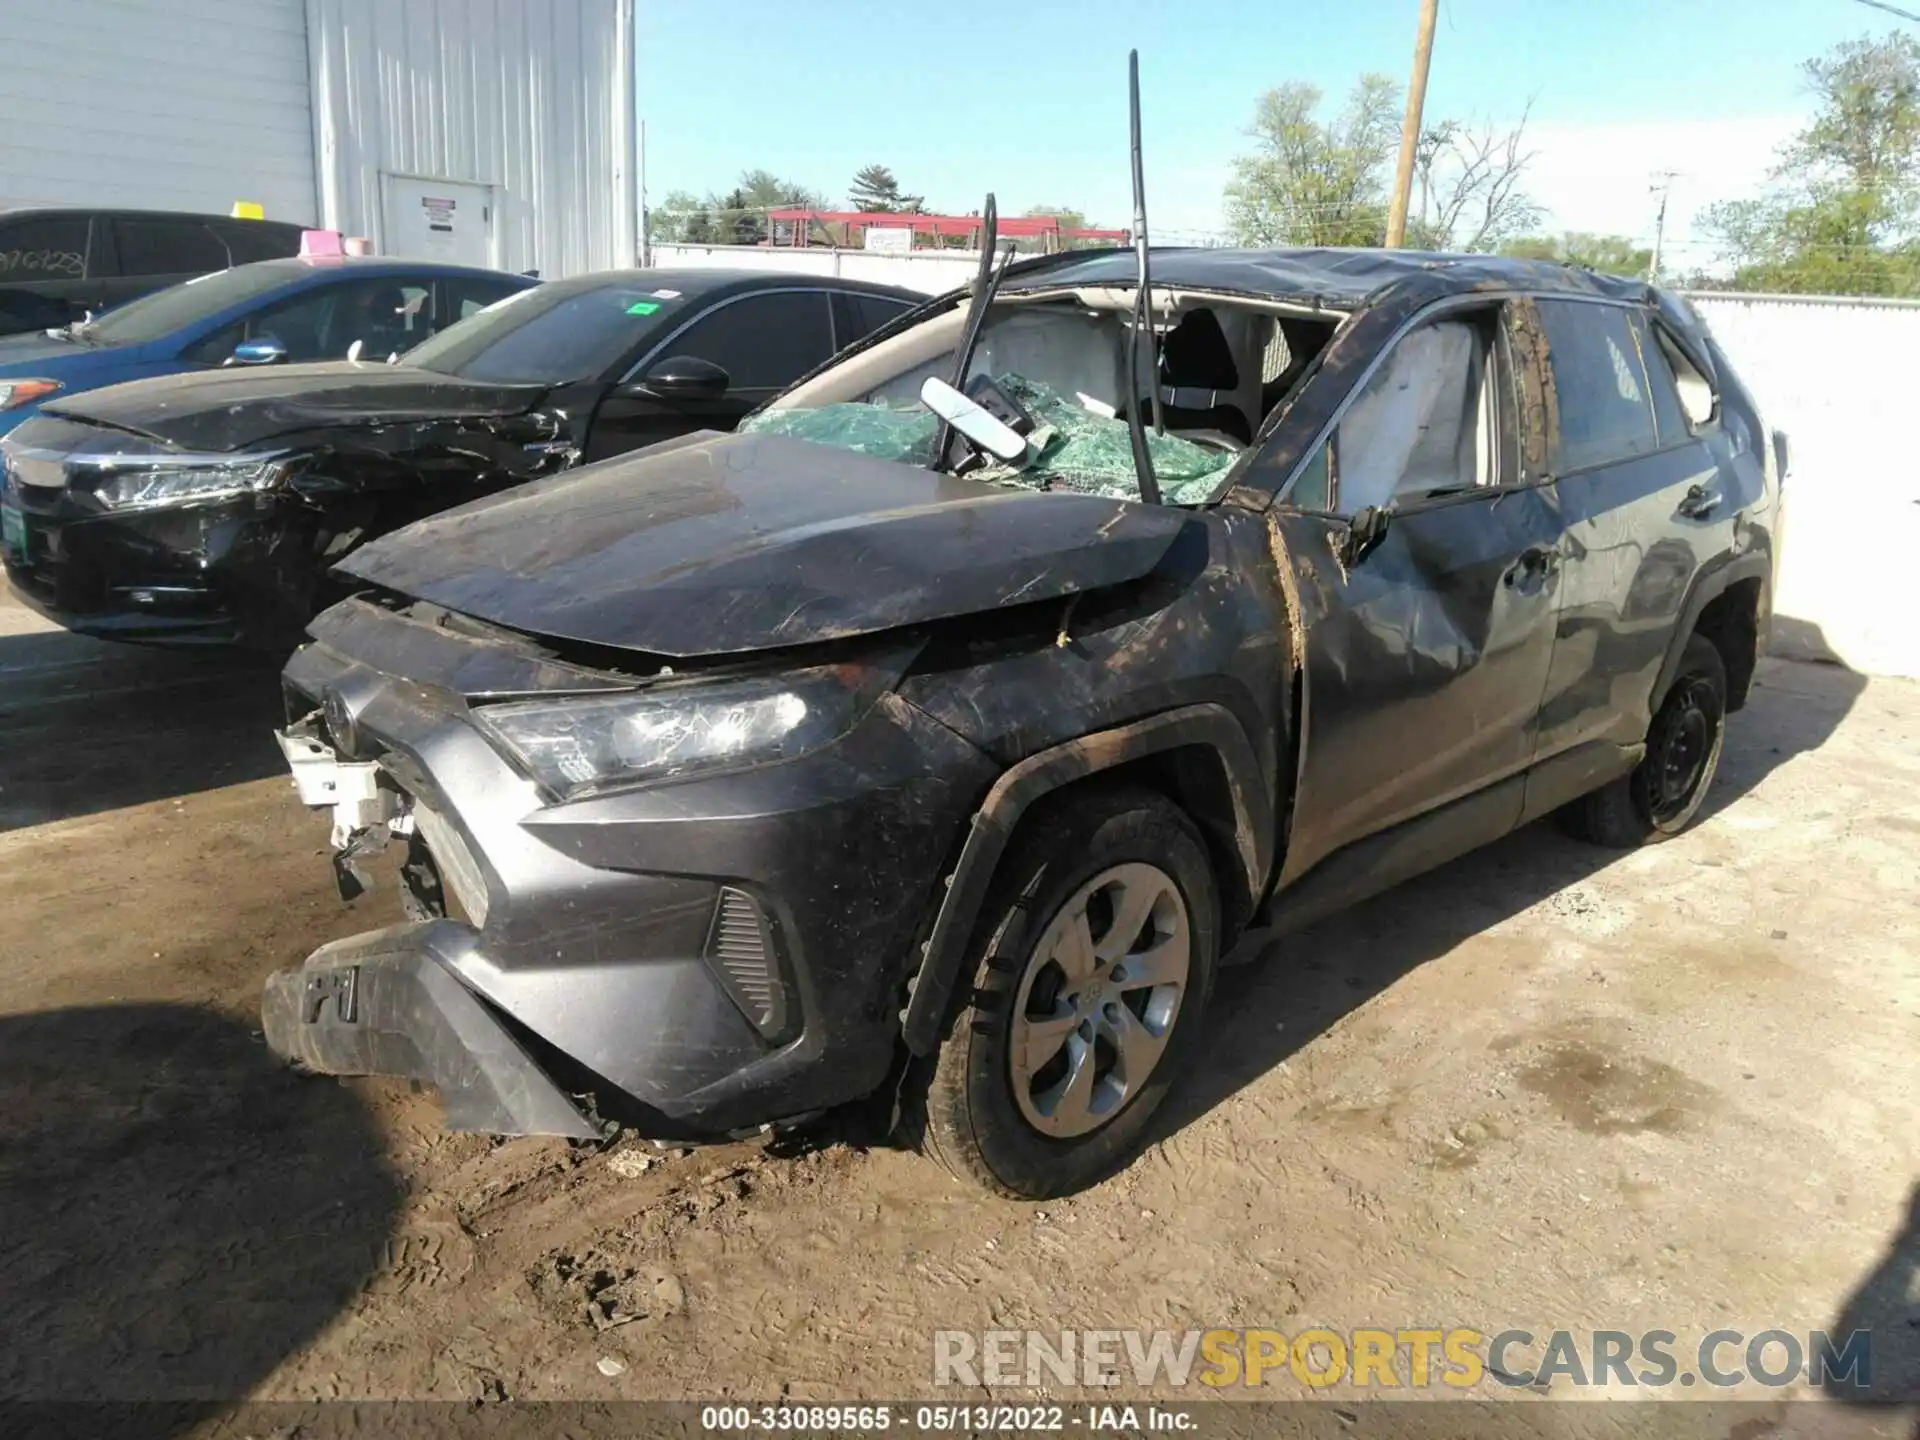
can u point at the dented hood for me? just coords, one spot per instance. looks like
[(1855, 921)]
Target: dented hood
[(718, 544), (230, 409)]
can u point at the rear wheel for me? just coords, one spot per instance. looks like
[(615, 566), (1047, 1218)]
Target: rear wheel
[(1091, 972), (1660, 797)]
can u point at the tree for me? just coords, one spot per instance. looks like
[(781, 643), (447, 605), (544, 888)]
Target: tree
[(1611, 254), (875, 190), (1842, 214), (1069, 219), (1466, 186), (1314, 182), (738, 217), (677, 219)]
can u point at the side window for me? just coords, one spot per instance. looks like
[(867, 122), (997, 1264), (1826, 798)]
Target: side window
[(469, 297), (251, 240), (1429, 420), (52, 247), (1313, 487), (763, 342), (870, 312), (385, 316), (168, 247), (1605, 411), (1683, 398)]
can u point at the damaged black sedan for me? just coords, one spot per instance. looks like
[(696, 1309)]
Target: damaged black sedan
[(944, 729), (208, 507)]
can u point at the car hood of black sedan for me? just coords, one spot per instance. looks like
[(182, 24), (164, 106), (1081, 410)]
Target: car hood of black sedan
[(213, 411), (722, 544)]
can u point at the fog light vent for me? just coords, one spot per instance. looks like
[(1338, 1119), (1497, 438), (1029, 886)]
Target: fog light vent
[(740, 949)]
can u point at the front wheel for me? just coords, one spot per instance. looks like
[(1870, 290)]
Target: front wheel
[(1091, 972), (1662, 794)]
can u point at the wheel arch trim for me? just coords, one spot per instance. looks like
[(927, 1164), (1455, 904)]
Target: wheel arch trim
[(1208, 726), (1709, 586)]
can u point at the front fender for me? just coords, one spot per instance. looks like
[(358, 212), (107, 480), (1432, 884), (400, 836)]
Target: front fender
[(1212, 727)]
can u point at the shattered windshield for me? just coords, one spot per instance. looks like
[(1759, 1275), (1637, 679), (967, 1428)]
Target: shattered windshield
[(1066, 366)]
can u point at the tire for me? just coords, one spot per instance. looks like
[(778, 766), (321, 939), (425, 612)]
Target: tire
[(1071, 1114), (1660, 797)]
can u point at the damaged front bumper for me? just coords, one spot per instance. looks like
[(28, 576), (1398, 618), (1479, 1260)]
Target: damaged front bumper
[(703, 958), (387, 1003), (192, 574)]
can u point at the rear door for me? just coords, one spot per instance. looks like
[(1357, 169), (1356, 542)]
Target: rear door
[(764, 340), (1641, 499), (155, 251), (1425, 657)]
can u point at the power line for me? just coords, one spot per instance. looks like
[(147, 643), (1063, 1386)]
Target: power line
[(1892, 10)]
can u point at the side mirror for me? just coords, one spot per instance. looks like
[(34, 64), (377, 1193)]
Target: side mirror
[(1364, 531), (264, 351), (1782, 456), (684, 377)]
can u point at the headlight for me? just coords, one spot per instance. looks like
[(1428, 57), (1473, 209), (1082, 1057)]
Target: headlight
[(147, 483), (15, 393), (572, 747)]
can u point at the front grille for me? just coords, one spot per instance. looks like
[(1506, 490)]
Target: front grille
[(740, 948)]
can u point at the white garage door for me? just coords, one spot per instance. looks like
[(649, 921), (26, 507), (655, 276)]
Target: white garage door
[(181, 105)]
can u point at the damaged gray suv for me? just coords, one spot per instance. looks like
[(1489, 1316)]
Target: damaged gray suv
[(938, 733)]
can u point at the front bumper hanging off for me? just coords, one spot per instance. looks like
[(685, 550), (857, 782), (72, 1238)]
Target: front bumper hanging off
[(386, 1003)]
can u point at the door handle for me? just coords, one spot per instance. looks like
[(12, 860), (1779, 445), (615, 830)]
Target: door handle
[(1699, 502)]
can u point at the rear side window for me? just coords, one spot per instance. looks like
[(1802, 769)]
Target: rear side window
[(168, 247), (250, 240), (52, 247), (763, 342), (870, 312), (1606, 413)]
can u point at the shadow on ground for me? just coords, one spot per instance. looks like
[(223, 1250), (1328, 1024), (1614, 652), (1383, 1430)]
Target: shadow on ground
[(1886, 1305), (88, 725), (1308, 981), (178, 1212)]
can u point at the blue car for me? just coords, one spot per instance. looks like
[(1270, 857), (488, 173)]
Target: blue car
[(332, 308)]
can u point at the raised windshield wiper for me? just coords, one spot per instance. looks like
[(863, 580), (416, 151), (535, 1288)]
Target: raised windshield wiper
[(1142, 306), (986, 284)]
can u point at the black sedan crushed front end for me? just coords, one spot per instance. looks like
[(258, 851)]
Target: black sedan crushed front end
[(210, 512)]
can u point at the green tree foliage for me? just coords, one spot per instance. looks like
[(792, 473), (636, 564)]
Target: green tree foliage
[(1611, 254), (737, 217), (1310, 181), (875, 190), (1069, 218), (1842, 216), (1315, 181)]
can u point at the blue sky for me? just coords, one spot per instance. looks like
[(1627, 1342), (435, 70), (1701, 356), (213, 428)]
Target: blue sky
[(1028, 97)]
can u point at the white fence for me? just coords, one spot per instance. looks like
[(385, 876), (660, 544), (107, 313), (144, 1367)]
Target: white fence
[(1836, 374), (929, 271)]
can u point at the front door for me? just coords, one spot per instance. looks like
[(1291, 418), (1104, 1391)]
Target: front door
[(448, 220), (764, 340), (1426, 656)]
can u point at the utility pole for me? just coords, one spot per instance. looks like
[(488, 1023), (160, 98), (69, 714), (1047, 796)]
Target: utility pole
[(1662, 186), (1410, 127)]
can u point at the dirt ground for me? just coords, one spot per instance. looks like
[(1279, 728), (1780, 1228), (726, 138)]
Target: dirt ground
[(1545, 1087)]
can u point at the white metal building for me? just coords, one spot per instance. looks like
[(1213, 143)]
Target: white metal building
[(491, 131)]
